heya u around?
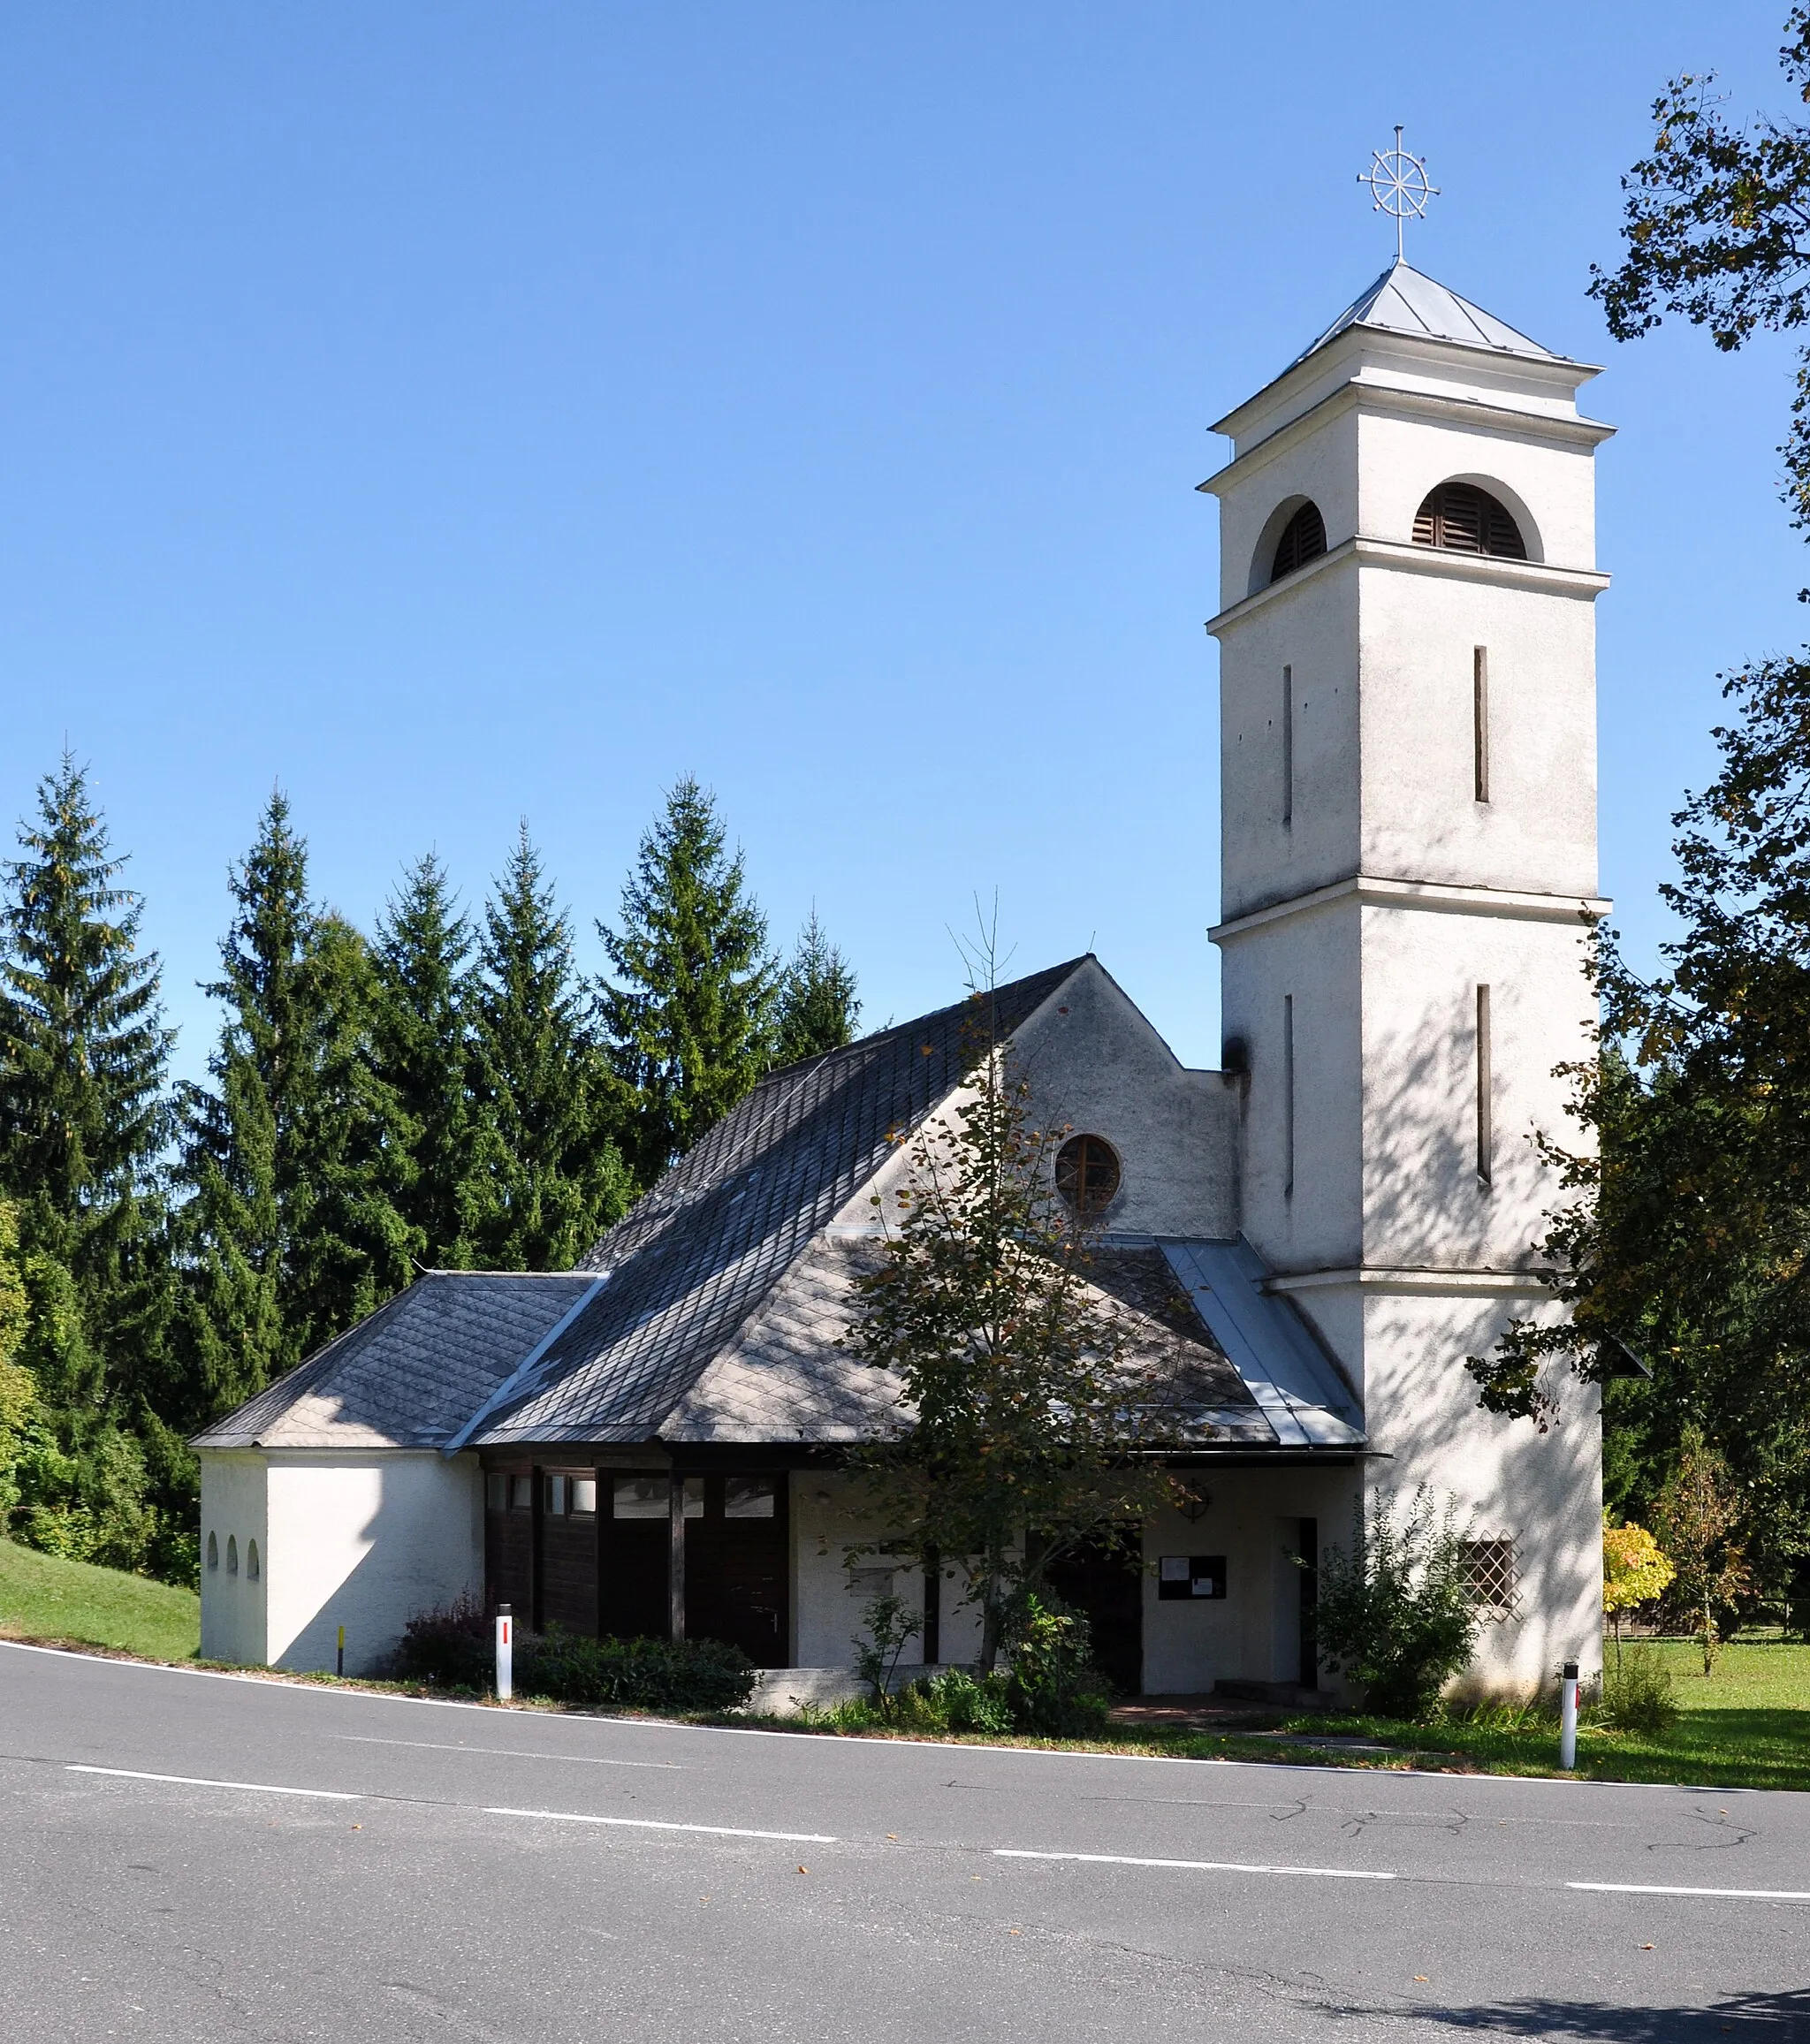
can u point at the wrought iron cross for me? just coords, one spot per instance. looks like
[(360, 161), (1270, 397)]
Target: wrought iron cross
[(1398, 184)]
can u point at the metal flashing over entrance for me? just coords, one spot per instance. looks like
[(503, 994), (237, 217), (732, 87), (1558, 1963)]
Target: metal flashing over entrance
[(1268, 1343)]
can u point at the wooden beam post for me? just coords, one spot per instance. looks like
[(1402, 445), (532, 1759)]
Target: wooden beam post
[(675, 1558)]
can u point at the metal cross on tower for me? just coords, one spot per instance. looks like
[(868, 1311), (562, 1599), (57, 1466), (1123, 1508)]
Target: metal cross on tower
[(1398, 183)]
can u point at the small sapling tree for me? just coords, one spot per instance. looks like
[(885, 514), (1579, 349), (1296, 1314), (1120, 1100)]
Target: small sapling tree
[(1022, 1433)]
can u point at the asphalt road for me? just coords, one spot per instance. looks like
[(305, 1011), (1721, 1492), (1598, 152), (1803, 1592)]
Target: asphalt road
[(196, 1858)]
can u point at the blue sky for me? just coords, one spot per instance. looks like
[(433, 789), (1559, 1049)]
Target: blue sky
[(457, 412)]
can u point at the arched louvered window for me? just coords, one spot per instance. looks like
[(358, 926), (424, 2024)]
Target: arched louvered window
[(1464, 518), (251, 1560), (213, 1550), (232, 1554), (1303, 540)]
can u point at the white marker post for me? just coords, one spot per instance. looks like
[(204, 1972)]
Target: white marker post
[(506, 1653), (1568, 1715)]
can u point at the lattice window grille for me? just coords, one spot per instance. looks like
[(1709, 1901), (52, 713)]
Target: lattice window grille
[(1492, 1577)]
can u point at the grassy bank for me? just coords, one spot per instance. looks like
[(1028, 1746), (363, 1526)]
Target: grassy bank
[(1746, 1726), (44, 1598)]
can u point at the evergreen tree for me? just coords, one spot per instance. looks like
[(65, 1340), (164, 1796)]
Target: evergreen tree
[(83, 1120), (83, 1057), (550, 1180), (818, 1004), (298, 1156), (691, 1028), (425, 1052)]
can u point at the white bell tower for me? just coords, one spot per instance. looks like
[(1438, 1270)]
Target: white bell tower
[(1408, 750)]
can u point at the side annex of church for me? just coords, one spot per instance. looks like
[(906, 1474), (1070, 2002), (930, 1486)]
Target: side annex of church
[(1314, 1238)]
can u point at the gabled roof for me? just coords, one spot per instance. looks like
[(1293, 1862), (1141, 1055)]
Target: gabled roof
[(693, 1259), (714, 1310), (410, 1375), (784, 1376), (1402, 300)]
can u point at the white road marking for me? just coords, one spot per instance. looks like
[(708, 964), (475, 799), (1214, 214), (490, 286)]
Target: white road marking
[(512, 1753), (1733, 1894), (1199, 1866), (205, 1781), (653, 1824)]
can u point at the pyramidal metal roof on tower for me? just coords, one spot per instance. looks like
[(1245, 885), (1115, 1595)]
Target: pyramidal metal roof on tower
[(1402, 300)]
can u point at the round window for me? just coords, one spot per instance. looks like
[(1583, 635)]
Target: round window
[(1087, 1174)]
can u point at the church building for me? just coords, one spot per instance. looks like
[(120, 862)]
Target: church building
[(1308, 1243)]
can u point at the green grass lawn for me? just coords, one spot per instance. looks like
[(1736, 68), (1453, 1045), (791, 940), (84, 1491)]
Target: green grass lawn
[(1746, 1726), (44, 1598)]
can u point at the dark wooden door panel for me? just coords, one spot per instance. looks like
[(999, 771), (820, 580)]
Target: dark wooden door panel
[(509, 1559), (738, 1573), (631, 1575), (569, 1574), (1109, 1588)]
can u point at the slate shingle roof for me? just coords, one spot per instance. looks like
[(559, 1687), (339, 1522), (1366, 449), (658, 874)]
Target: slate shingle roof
[(414, 1372), (689, 1262), (783, 1376)]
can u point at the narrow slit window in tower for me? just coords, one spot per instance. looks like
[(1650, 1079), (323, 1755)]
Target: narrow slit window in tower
[(1485, 1132), (1287, 749), (1479, 720), (1288, 1096)]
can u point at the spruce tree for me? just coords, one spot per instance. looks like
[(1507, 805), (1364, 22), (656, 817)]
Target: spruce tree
[(83, 1059), (425, 1052), (550, 1179), (691, 1025), (818, 1004), (299, 1154), (83, 1121)]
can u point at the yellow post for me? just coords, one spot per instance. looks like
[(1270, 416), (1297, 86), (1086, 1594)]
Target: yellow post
[(340, 1665)]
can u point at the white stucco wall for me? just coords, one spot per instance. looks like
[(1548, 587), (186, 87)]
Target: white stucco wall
[(1253, 1518), (234, 1515), (364, 1539), (1095, 1064), (1401, 1255), (829, 1512)]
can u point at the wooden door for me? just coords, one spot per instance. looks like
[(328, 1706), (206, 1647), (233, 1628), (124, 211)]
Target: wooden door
[(634, 1544), (1108, 1586), (738, 1567)]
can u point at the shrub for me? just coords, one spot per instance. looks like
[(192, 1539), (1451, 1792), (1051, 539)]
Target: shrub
[(1638, 1694), (452, 1647), (1395, 1613), (649, 1675), (955, 1701), (1052, 1685)]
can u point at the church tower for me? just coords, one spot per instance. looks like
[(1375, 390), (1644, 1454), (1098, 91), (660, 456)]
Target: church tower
[(1407, 743)]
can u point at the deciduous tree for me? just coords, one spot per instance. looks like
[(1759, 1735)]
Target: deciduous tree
[(1021, 1432)]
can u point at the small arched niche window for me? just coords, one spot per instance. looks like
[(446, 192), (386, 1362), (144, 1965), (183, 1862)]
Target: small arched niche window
[(1303, 540), (232, 1554), (251, 1560), (213, 1550), (1087, 1174), (1463, 519)]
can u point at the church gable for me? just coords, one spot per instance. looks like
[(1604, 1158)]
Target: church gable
[(697, 1257)]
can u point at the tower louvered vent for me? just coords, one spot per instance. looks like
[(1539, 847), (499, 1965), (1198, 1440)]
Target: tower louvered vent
[(1303, 540), (1462, 519)]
